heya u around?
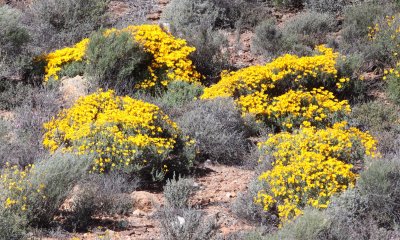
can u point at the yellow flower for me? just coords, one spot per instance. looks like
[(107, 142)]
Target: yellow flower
[(112, 128)]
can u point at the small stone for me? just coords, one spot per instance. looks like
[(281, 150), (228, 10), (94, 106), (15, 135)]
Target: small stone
[(181, 220)]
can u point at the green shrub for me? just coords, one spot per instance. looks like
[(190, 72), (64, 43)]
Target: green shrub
[(14, 38), (268, 38), (24, 145), (36, 193), (289, 3), (12, 226), (310, 226), (186, 224), (209, 58), (177, 192), (381, 120), (245, 207), (357, 19), (54, 24), (393, 88), (101, 194), (380, 189), (175, 98), (306, 30), (323, 6), (13, 94), (218, 129), (299, 35), (116, 62)]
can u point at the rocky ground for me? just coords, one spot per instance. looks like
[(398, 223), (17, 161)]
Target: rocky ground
[(217, 188)]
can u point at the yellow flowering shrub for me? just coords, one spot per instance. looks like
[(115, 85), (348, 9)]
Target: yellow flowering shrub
[(120, 132), (293, 109), (55, 60), (170, 56), (15, 185), (310, 165), (255, 86)]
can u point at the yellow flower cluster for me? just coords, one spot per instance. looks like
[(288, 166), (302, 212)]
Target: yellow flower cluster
[(118, 131), (310, 165), (15, 187), (253, 87), (293, 109), (58, 58), (171, 56)]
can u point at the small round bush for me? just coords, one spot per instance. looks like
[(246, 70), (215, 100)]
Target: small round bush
[(121, 133), (310, 166), (218, 129), (115, 61)]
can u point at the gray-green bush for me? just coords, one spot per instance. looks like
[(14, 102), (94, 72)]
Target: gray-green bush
[(218, 128), (116, 62), (323, 6), (186, 224), (393, 88), (58, 23), (289, 3), (306, 30), (268, 38), (42, 191), (25, 145), (177, 192), (299, 35), (381, 120), (101, 195), (357, 19), (14, 38), (245, 207)]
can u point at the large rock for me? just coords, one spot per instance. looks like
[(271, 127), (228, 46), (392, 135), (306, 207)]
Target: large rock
[(72, 89)]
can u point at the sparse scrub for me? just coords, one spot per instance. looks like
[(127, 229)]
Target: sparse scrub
[(299, 35), (99, 195), (289, 3), (55, 23), (306, 30), (37, 192), (333, 6), (393, 88), (14, 38), (381, 119), (357, 19), (268, 38), (39, 105), (178, 192), (186, 224), (246, 207), (217, 128), (13, 94)]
